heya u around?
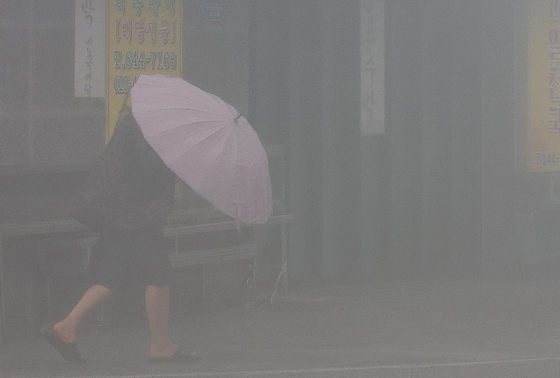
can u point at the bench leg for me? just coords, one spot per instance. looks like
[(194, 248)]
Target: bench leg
[(2, 291), (50, 304), (284, 251)]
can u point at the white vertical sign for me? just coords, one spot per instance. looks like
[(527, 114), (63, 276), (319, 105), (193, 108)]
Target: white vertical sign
[(372, 67), (89, 65)]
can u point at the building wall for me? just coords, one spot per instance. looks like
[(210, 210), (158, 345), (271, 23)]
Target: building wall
[(434, 71), (41, 123), (436, 195)]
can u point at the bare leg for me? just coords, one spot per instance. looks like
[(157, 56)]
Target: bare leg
[(67, 329), (157, 307)]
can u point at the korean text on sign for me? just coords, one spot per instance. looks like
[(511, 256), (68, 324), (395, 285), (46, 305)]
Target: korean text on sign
[(144, 38)]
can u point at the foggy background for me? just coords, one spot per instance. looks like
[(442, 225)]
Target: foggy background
[(437, 195)]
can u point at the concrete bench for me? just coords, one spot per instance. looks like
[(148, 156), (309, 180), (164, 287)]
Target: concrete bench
[(71, 234)]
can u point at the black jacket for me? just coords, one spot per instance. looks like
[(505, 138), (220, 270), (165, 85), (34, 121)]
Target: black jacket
[(130, 186)]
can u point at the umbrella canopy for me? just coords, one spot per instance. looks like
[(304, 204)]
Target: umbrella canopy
[(207, 143)]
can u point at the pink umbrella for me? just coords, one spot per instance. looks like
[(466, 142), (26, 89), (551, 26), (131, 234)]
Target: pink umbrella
[(207, 143)]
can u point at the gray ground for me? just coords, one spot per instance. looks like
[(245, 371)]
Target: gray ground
[(461, 328)]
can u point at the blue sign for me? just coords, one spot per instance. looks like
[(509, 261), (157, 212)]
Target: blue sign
[(214, 10)]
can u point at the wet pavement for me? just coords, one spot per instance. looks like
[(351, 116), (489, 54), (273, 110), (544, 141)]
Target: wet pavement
[(445, 328)]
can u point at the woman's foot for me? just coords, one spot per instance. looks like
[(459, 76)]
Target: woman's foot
[(179, 356), (68, 350), (63, 333), (163, 351)]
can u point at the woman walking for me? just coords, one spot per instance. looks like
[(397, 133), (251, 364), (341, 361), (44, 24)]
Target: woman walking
[(126, 199)]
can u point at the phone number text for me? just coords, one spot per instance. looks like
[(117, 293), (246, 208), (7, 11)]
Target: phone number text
[(166, 60)]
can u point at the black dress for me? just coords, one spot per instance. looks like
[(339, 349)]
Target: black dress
[(127, 199)]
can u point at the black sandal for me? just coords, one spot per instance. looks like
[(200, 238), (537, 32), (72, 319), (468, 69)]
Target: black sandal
[(69, 351), (179, 356)]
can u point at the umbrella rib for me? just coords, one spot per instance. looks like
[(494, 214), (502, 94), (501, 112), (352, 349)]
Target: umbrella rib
[(199, 106), (177, 141), (182, 116), (220, 138)]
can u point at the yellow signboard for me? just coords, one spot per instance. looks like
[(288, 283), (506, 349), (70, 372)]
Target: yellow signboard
[(144, 37), (543, 135)]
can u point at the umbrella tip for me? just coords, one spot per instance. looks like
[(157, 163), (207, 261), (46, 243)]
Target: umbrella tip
[(238, 116)]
